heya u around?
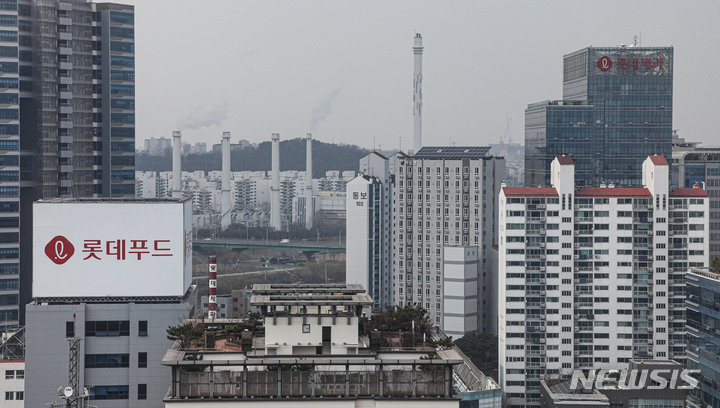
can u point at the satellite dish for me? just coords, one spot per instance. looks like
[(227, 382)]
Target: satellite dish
[(68, 391)]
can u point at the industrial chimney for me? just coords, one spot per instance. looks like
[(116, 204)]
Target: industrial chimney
[(275, 216), (308, 182), (177, 172), (225, 210), (417, 94)]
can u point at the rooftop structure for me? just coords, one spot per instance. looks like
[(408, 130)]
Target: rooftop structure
[(311, 349), (633, 393)]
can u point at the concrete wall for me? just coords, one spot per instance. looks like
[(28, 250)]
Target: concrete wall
[(47, 349), (284, 335)]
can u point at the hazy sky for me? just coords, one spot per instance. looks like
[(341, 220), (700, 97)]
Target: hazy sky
[(343, 69)]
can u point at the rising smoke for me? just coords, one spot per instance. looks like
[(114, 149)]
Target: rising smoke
[(323, 109), (203, 116)]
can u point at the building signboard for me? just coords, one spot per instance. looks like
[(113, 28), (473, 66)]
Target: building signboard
[(107, 248), (638, 62)]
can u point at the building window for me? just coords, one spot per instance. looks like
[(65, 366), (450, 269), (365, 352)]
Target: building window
[(110, 392), (69, 329), (142, 328), (142, 391), (107, 328), (107, 360)]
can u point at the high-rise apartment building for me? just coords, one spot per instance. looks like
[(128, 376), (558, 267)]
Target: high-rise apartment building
[(616, 110), (590, 278), (67, 121), (369, 231), (445, 196)]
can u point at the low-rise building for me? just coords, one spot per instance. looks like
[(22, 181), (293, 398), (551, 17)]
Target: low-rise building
[(640, 389), (312, 351), (12, 369)]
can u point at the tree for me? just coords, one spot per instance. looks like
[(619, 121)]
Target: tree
[(185, 333), (715, 264), (400, 319), (482, 349)]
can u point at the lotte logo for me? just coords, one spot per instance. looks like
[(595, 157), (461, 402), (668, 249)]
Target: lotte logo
[(604, 63), (59, 250)]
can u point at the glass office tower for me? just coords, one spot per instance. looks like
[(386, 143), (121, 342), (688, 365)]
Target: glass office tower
[(616, 110)]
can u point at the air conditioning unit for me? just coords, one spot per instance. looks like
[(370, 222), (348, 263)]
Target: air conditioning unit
[(542, 231), (577, 245), (577, 256), (542, 245), (597, 256), (577, 329), (542, 268)]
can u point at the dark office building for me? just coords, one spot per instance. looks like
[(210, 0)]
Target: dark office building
[(67, 120), (616, 110), (703, 335), (693, 164)]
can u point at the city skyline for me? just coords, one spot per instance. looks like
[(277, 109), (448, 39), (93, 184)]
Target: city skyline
[(344, 71)]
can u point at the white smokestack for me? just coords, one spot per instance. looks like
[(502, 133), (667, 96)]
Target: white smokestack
[(275, 216), (417, 94), (225, 193), (177, 172), (308, 182)]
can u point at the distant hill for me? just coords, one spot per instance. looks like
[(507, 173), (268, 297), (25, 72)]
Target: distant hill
[(326, 156)]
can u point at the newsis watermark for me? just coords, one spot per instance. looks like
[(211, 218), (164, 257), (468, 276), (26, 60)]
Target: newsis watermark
[(634, 379)]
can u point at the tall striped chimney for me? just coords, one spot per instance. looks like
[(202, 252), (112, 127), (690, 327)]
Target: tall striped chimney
[(275, 216), (308, 182), (417, 94), (225, 209), (176, 166), (212, 287)]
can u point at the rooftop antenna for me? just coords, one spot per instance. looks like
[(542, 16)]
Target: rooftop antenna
[(635, 41), (73, 394), (507, 129)]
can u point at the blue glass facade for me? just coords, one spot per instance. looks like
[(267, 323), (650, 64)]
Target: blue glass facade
[(118, 133), (616, 110), (9, 167), (703, 335)]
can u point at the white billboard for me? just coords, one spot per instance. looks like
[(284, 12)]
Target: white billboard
[(112, 248)]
